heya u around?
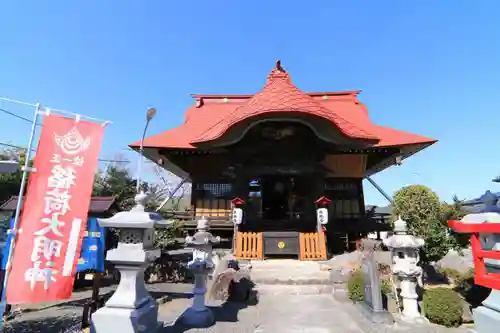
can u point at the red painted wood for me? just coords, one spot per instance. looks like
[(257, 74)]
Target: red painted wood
[(481, 275)]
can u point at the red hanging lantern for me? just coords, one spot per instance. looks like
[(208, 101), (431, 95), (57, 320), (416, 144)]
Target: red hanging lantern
[(323, 201), (237, 202)]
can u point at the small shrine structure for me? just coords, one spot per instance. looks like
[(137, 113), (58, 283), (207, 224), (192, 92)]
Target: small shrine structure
[(280, 150)]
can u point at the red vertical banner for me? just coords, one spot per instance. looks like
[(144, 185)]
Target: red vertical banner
[(55, 209)]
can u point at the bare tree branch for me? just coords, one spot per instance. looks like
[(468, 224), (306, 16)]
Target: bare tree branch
[(169, 186)]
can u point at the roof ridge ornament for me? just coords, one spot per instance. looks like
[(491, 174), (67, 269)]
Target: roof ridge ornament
[(279, 68), (280, 73)]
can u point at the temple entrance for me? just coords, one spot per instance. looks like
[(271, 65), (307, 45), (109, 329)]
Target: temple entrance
[(275, 197), (282, 208)]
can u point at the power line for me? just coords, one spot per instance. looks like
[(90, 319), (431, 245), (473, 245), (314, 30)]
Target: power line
[(52, 109), (31, 122), (100, 160), (17, 116)]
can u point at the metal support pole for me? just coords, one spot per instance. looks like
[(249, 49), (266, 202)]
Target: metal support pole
[(380, 189), (171, 194), (141, 157), (26, 169)]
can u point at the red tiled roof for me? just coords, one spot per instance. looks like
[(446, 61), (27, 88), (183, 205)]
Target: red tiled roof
[(281, 95), (212, 115)]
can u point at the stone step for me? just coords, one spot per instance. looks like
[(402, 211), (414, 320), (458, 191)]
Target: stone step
[(290, 280), (264, 289)]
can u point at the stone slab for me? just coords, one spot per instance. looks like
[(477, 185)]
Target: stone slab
[(288, 272), (486, 320)]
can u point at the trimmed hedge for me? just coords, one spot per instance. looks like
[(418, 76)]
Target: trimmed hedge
[(443, 306)]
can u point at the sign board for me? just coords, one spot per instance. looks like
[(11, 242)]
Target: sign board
[(93, 248), (281, 242)]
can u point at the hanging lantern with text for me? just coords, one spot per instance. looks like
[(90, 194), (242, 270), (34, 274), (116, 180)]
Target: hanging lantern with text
[(237, 211), (322, 212)]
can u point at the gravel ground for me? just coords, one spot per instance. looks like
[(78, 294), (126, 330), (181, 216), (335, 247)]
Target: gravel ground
[(59, 317), (54, 320)]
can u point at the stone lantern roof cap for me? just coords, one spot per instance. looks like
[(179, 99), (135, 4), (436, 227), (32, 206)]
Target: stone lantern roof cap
[(404, 241), (401, 239), (400, 226), (201, 238), (202, 235), (136, 218)]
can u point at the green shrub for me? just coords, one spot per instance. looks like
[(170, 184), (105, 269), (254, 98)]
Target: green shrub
[(443, 306), (355, 287)]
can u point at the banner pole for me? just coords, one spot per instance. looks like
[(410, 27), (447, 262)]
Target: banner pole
[(26, 169)]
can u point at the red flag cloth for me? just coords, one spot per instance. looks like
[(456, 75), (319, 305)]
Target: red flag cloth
[(54, 213)]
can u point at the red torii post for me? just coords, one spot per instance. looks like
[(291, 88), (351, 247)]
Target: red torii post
[(481, 275), (486, 316)]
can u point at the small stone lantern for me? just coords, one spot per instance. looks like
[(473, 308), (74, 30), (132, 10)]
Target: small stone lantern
[(131, 309), (405, 257), (198, 315)]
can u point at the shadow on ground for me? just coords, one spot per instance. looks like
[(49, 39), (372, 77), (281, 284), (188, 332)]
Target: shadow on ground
[(227, 312), (104, 297), (42, 325), (433, 277)]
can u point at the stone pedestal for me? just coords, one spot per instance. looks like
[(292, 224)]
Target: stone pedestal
[(198, 315), (131, 309), (410, 298)]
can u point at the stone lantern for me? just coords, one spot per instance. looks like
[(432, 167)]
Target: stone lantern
[(198, 315), (131, 309), (405, 257)]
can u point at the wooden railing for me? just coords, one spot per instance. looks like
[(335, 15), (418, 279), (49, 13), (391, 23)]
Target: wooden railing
[(249, 245), (312, 246), (213, 208)]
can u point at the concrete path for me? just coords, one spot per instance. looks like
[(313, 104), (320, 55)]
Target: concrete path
[(289, 309)]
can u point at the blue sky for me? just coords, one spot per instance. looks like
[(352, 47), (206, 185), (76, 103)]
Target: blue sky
[(429, 67)]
